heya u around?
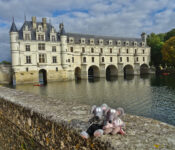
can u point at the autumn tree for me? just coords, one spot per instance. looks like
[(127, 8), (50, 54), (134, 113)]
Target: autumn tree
[(168, 51)]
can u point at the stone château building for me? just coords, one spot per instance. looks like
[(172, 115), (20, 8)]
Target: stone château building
[(40, 52)]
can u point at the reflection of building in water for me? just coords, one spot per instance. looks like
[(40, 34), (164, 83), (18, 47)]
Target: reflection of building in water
[(39, 50)]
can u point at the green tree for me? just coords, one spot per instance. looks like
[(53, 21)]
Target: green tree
[(5, 62), (168, 51), (154, 41), (169, 34)]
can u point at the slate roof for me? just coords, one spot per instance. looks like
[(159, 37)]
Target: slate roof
[(13, 27), (77, 37), (33, 31)]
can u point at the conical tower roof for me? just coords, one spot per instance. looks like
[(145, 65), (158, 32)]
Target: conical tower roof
[(13, 27)]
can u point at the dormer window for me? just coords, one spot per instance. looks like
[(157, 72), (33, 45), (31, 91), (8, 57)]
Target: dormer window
[(135, 43), (82, 40), (71, 40), (110, 42), (40, 37), (40, 28), (52, 30), (27, 36), (53, 38), (101, 41), (118, 43), (91, 41), (127, 43), (26, 27)]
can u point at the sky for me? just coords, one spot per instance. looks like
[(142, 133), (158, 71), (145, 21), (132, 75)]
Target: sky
[(124, 18)]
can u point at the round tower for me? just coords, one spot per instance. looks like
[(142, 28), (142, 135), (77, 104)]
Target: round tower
[(14, 44), (63, 38)]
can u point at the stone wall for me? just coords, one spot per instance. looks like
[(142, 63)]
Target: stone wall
[(5, 74), (33, 76), (29, 121)]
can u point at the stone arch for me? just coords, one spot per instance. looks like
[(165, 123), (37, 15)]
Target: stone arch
[(93, 71), (43, 76), (144, 69), (111, 71), (77, 73), (128, 70)]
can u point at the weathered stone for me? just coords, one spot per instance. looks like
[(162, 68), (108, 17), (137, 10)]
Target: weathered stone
[(55, 124)]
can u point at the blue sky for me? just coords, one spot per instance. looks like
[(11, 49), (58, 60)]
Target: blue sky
[(125, 18)]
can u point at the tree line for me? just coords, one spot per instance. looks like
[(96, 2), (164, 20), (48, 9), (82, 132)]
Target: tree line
[(162, 48)]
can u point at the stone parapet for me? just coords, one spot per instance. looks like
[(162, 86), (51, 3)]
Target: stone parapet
[(33, 122)]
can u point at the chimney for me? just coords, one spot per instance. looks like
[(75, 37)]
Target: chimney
[(44, 23), (34, 22)]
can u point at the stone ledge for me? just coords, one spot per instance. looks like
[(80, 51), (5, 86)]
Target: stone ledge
[(56, 124)]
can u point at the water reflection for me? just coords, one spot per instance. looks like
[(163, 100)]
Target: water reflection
[(149, 96)]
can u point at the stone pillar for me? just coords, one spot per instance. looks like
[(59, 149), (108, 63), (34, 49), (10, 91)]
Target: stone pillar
[(136, 69), (102, 71), (84, 72), (120, 69)]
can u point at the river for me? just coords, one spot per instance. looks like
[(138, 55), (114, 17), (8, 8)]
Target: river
[(150, 96)]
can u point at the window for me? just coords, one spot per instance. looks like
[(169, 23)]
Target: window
[(127, 51), (68, 60), (103, 59), (73, 59), (28, 59), (42, 58), (71, 49), (143, 51), (27, 69), (84, 59), (135, 51), (53, 48), (120, 59), (41, 46), (92, 59), (119, 50), (101, 50), (53, 38), (127, 59), (110, 50), (27, 47), (83, 50), (92, 50), (56, 69), (27, 37), (137, 59), (143, 58), (54, 59), (40, 37), (110, 59)]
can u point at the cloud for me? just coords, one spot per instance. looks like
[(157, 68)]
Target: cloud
[(113, 17)]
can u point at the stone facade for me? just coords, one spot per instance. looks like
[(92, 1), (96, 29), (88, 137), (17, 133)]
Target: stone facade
[(32, 122), (5, 74), (38, 46)]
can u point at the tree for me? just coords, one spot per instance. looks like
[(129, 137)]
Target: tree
[(169, 35), (156, 44), (168, 51)]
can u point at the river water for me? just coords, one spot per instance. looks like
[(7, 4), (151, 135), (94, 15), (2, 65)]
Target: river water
[(150, 96)]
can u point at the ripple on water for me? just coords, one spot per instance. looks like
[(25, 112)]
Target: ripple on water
[(150, 97)]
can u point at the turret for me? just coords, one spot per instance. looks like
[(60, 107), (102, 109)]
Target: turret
[(14, 44), (144, 36), (63, 38)]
